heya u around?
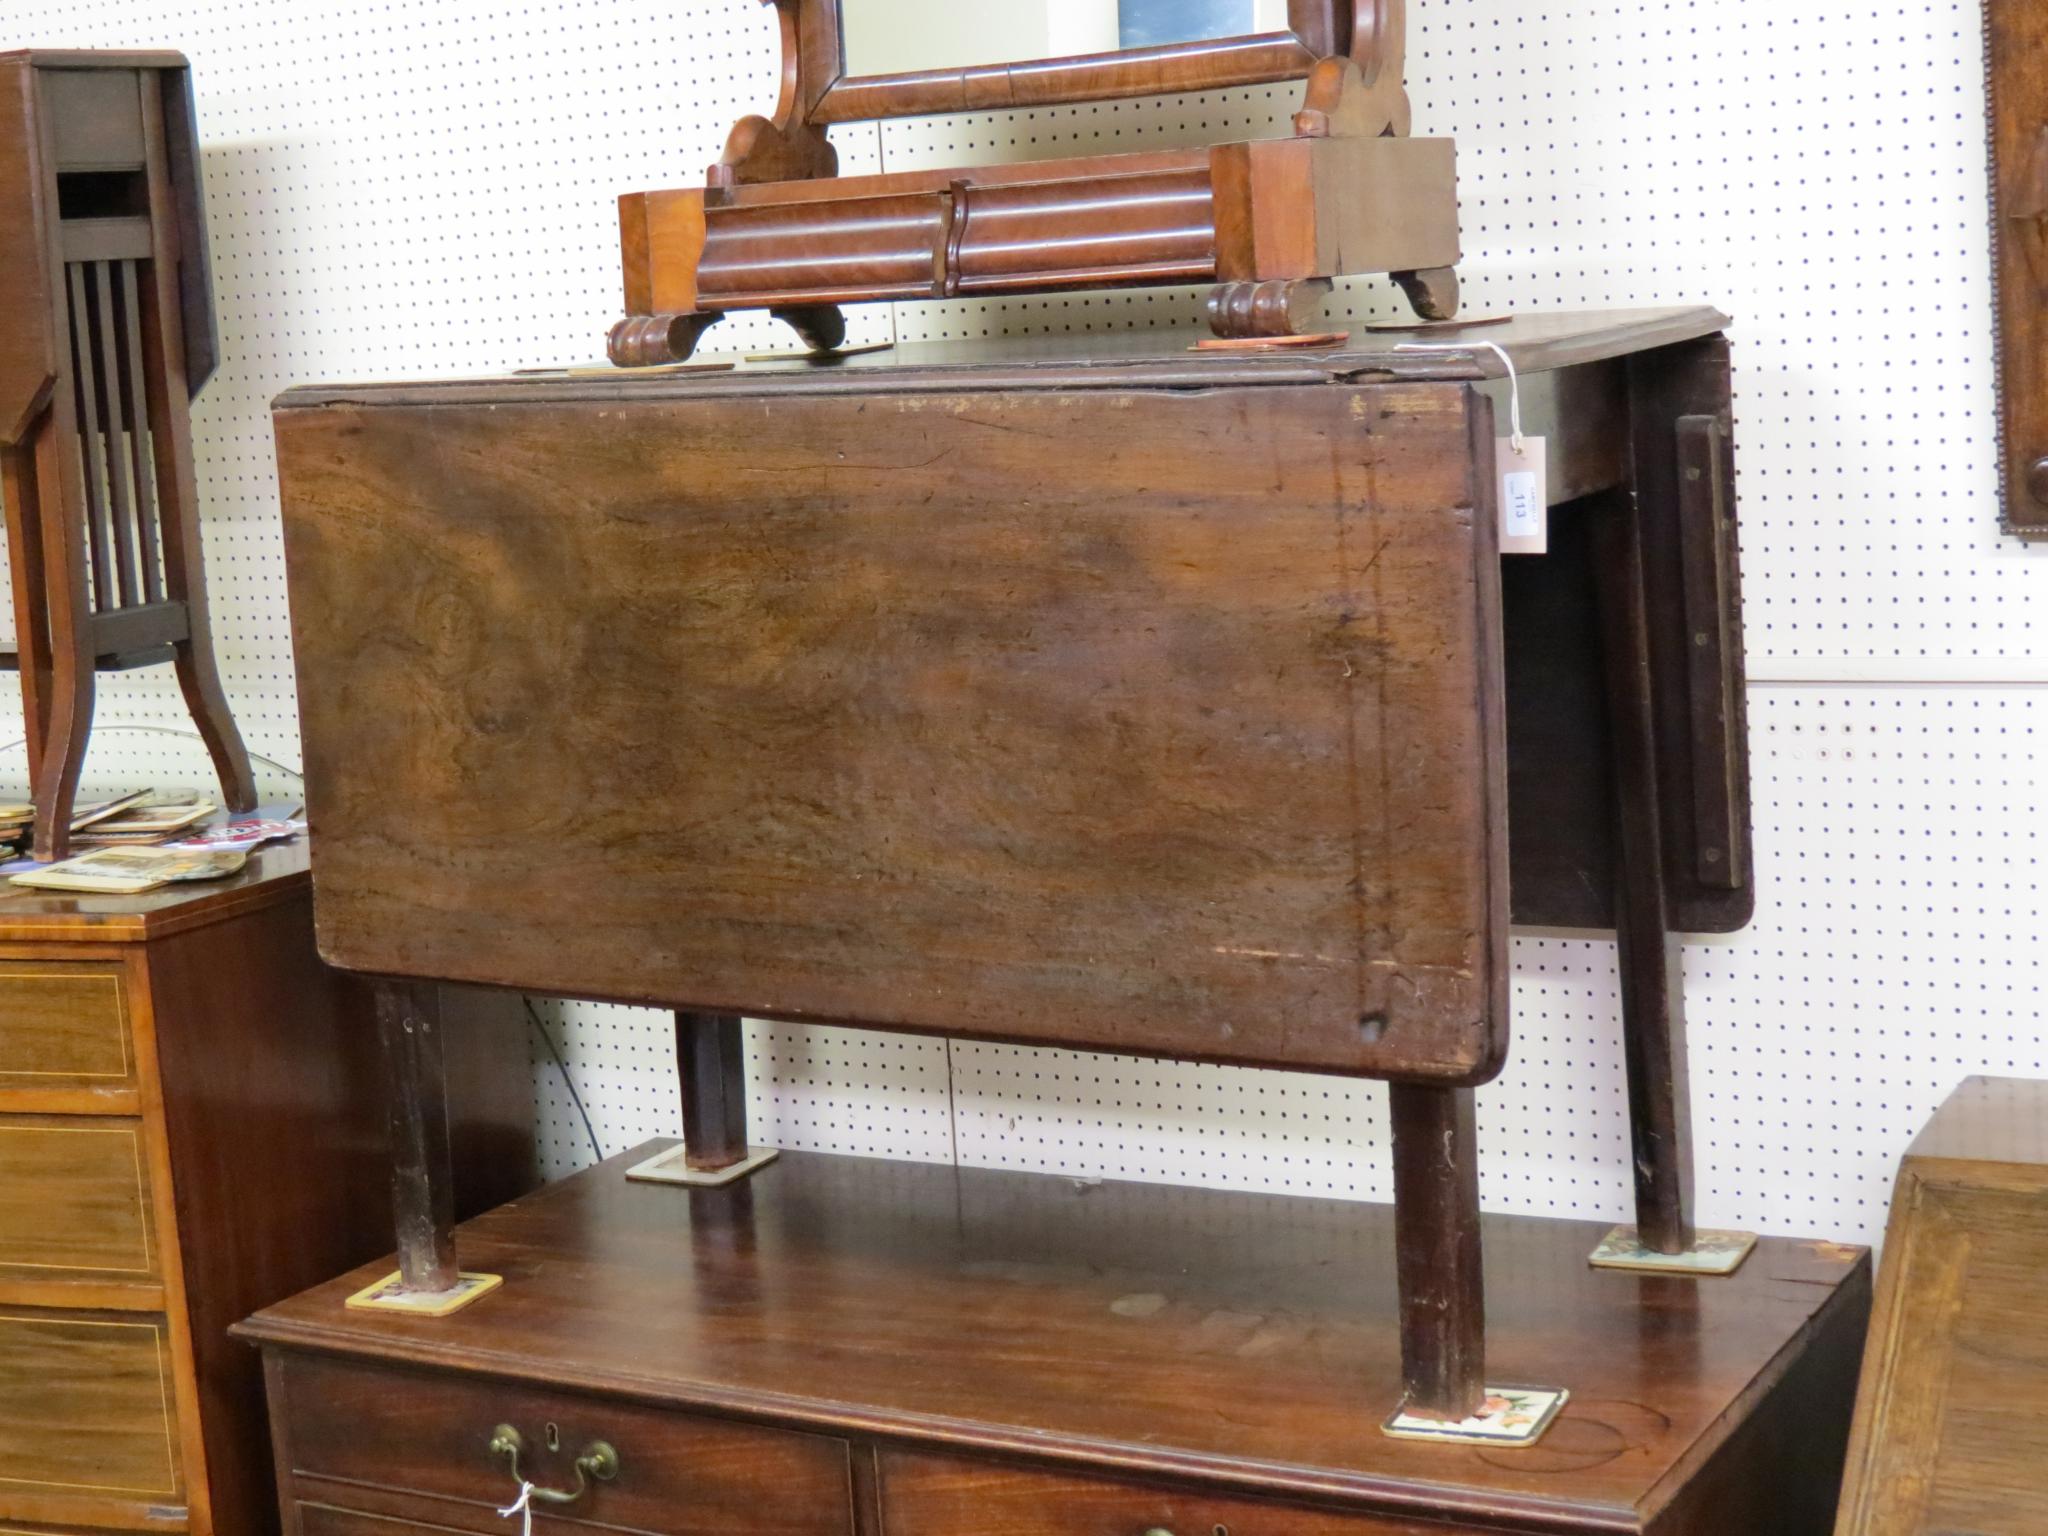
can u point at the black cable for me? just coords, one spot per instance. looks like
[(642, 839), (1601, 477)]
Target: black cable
[(165, 730), (568, 1082)]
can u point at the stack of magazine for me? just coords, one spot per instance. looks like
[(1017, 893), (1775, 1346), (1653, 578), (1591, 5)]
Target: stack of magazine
[(125, 837)]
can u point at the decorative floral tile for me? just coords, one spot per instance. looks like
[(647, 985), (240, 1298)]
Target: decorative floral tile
[(1509, 1416), (1712, 1253), (390, 1295)]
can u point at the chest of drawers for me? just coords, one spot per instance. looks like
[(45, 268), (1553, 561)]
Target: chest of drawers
[(841, 1346), (190, 1127)]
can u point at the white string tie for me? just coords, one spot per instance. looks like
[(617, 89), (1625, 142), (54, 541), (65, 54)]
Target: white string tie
[(1515, 440), (522, 1506)]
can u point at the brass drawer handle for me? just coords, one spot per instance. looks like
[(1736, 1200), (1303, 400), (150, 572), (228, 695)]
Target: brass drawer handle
[(598, 1461)]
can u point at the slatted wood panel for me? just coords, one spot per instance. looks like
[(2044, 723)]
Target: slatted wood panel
[(107, 321)]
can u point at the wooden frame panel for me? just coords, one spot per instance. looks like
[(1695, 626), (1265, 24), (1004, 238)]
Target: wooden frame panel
[(2016, 48)]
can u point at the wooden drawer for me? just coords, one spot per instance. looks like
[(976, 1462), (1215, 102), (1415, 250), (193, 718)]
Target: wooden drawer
[(85, 1409), (326, 1520), (64, 1025), (74, 1199), (944, 1496), (679, 1474)]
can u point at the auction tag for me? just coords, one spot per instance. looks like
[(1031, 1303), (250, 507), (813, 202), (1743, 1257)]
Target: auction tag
[(1524, 497)]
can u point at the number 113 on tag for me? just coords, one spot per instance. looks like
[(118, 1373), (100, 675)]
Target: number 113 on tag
[(1524, 498)]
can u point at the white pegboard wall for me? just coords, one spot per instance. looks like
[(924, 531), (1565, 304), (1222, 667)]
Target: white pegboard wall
[(425, 187)]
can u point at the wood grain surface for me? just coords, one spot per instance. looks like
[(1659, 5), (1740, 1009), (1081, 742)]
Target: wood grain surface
[(1230, 1345), (63, 1024), (190, 1127), (1030, 716), (74, 1198), (948, 1496), (679, 1474), (85, 1408), (1952, 1415)]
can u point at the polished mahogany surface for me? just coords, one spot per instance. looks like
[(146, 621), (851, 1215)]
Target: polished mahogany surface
[(1244, 1341), (1029, 716), (779, 690), (274, 873), (1535, 342)]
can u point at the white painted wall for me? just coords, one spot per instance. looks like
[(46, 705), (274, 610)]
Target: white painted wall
[(424, 187)]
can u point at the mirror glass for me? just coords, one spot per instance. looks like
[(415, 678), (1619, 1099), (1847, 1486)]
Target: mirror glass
[(893, 37)]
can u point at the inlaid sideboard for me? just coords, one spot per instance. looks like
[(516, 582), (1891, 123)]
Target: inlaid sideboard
[(191, 1126)]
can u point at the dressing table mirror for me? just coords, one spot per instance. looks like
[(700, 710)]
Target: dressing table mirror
[(1268, 222)]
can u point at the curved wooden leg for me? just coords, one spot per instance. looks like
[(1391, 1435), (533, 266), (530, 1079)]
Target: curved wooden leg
[(643, 341), (67, 705), (199, 680), (822, 326), (1432, 292), (1276, 307), (19, 500), (68, 728)]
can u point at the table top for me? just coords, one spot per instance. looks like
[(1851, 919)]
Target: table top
[(1247, 1340), (275, 872), (1536, 342)]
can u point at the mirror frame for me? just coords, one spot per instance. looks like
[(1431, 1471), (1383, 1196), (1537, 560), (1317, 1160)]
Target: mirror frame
[(816, 85), (2016, 41)]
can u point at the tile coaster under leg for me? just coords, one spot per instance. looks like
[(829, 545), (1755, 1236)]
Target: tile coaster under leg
[(672, 1167), (1711, 1253), (391, 1295), (1510, 1416)]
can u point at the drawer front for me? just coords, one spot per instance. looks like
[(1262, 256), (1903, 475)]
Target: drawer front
[(74, 1199), (326, 1520), (945, 1496), (85, 1408), (679, 1474), (64, 1025)]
